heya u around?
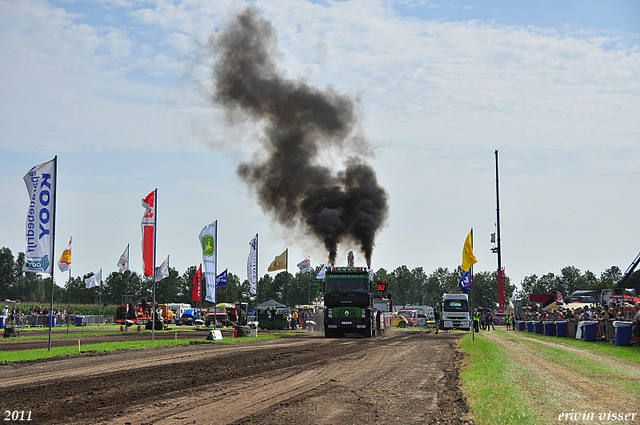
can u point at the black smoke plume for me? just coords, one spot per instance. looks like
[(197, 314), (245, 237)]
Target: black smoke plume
[(302, 122)]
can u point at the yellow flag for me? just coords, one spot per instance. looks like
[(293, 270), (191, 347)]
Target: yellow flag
[(468, 259), (280, 263)]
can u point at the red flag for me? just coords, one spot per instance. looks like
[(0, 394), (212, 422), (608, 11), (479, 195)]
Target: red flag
[(197, 285), (148, 229)]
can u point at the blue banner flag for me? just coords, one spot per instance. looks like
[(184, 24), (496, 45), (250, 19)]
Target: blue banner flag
[(465, 284), (221, 279)]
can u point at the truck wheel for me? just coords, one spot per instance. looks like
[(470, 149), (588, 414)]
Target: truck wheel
[(328, 333), (403, 325)]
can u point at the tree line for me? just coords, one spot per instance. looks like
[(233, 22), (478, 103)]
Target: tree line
[(407, 287)]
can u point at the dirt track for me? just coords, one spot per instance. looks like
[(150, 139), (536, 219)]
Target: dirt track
[(410, 377)]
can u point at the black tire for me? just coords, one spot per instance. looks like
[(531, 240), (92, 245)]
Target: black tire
[(328, 333), (403, 325)]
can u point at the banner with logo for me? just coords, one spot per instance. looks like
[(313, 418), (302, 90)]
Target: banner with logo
[(94, 281), (280, 263), (41, 185), (304, 266), (148, 225), (208, 240), (123, 263), (64, 263), (196, 293), (252, 265), (221, 279)]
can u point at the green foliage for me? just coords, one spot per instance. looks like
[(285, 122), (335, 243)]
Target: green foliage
[(569, 280), (405, 286), (77, 309), (485, 289)]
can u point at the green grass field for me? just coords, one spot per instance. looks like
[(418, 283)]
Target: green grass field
[(523, 378), (25, 355), (493, 396)]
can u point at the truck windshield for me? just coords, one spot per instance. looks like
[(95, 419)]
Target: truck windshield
[(456, 305), (346, 285), (407, 314)]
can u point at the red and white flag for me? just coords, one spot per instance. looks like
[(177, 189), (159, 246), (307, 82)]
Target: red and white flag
[(196, 294), (148, 229), (64, 263)]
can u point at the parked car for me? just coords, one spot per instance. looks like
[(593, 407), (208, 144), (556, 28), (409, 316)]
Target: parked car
[(426, 322), (218, 315), (400, 321), (410, 315)]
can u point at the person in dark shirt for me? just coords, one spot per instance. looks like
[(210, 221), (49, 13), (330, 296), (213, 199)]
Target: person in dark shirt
[(436, 318)]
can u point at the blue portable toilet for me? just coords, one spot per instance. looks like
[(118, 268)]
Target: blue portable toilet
[(561, 328), (530, 326), (538, 327), (623, 332), (521, 326), (548, 328), (590, 330)]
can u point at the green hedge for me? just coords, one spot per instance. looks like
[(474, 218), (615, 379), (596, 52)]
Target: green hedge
[(78, 309)]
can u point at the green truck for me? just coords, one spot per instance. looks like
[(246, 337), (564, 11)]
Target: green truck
[(348, 300)]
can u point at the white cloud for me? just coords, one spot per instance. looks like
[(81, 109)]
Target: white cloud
[(560, 103)]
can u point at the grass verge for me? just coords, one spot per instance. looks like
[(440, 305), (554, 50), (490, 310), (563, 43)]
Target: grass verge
[(26, 355), (493, 396)]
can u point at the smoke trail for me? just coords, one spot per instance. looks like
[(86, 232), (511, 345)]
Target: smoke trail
[(301, 122)]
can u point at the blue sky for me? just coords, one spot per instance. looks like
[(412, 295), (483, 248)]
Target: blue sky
[(117, 89)]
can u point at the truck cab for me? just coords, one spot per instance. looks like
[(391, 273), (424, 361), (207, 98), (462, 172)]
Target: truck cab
[(455, 312), (348, 300)]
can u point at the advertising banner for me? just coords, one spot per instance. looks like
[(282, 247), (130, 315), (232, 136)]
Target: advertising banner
[(252, 265), (208, 241), (148, 225), (41, 184)]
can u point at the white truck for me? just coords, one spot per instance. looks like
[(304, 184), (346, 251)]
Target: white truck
[(455, 312), (178, 309)]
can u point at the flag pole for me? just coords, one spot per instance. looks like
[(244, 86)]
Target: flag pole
[(473, 312), (257, 279), (215, 275), (53, 239), (500, 273), (286, 282), (100, 295), (155, 233), (69, 303)]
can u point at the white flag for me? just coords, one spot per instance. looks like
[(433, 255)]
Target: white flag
[(163, 270), (321, 274), (252, 266), (93, 281), (208, 243), (304, 266), (123, 263), (41, 185)]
